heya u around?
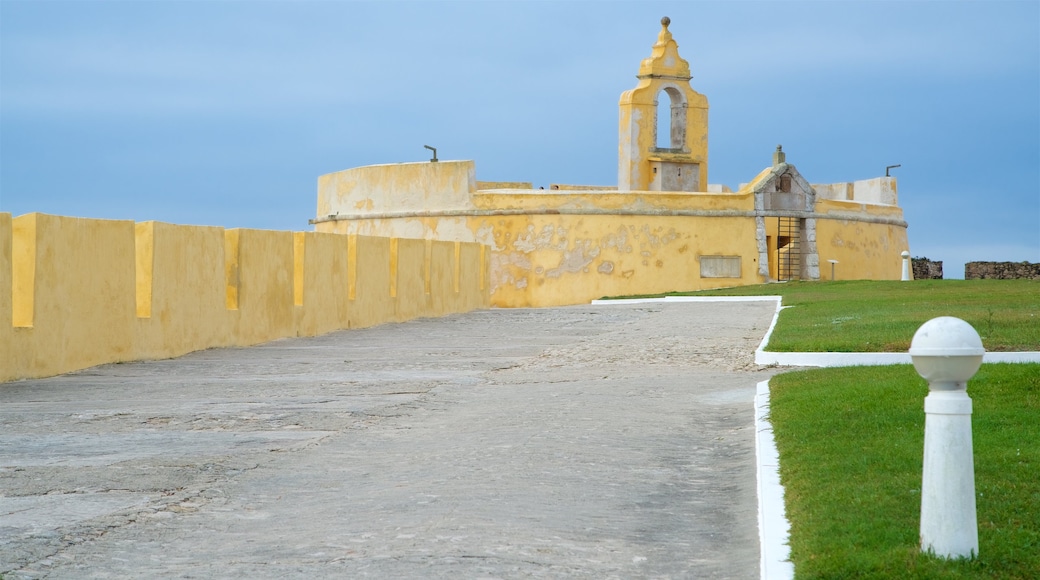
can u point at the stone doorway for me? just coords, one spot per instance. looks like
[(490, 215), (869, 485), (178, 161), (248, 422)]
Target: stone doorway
[(788, 248)]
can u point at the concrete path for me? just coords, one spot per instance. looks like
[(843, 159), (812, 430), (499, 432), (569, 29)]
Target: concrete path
[(583, 442)]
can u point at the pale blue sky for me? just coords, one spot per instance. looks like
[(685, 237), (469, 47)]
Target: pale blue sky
[(225, 113)]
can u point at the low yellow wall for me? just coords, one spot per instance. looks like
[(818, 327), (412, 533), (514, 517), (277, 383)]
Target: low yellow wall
[(6, 330), (76, 292)]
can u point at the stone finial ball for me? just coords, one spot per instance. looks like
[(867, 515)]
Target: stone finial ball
[(946, 336), (946, 351), (666, 21)]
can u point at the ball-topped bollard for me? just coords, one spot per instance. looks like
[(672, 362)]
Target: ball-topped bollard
[(946, 352), (906, 266)]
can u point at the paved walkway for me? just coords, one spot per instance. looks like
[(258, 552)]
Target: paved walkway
[(584, 442)]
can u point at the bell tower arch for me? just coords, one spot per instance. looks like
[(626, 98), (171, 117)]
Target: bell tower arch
[(674, 162)]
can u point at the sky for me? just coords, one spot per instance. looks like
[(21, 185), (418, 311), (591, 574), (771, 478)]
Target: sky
[(226, 112)]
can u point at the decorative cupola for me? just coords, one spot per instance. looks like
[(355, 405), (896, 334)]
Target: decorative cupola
[(677, 161)]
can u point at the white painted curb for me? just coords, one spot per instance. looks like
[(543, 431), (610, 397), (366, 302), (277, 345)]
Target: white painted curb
[(773, 527), (688, 299)]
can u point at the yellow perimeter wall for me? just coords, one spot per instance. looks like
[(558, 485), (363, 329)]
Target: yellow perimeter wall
[(77, 292)]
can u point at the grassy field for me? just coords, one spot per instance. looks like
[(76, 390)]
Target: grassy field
[(882, 316), (851, 444)]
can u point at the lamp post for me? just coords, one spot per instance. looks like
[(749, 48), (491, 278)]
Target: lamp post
[(946, 352)]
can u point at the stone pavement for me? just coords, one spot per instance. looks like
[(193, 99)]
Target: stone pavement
[(579, 442)]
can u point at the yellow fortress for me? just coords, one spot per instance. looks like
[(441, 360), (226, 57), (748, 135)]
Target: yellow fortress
[(663, 228)]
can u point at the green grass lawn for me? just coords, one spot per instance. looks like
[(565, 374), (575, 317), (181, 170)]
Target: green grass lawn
[(851, 444), (882, 316)]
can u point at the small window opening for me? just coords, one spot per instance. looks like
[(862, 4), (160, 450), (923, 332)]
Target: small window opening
[(664, 121), (671, 120)]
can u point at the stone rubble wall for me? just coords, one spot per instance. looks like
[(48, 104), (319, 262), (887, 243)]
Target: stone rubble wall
[(925, 269), (1001, 271)]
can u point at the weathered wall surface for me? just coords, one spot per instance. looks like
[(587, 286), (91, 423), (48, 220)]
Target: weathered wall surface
[(377, 189), (547, 259), (879, 190), (1001, 271), (80, 292), (864, 250), (565, 246), (925, 269), (569, 246), (6, 329)]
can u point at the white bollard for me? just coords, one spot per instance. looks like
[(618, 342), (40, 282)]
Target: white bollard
[(947, 351), (906, 266)]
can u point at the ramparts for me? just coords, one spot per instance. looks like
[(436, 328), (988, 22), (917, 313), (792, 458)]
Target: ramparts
[(1001, 271), (75, 292)]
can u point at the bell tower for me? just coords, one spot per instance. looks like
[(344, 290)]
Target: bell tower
[(674, 162)]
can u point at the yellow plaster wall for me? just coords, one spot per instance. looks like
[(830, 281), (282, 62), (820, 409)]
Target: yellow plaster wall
[(411, 299), (99, 291), (504, 185), (470, 272), (265, 287), (372, 301), (554, 259), (864, 251), (608, 201), (180, 289), (393, 187), (839, 207), (545, 260), (83, 287), (322, 268), (6, 327)]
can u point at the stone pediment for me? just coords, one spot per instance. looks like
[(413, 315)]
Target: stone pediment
[(782, 188)]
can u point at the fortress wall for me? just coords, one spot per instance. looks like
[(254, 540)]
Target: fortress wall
[(575, 259), (1001, 271), (879, 190), (471, 273), (447, 186), (6, 328), (321, 294), (865, 251), (77, 292), (263, 270), (557, 247), (858, 209), (397, 187), (371, 303), (180, 289), (609, 200), (410, 280), (74, 294), (547, 259)]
